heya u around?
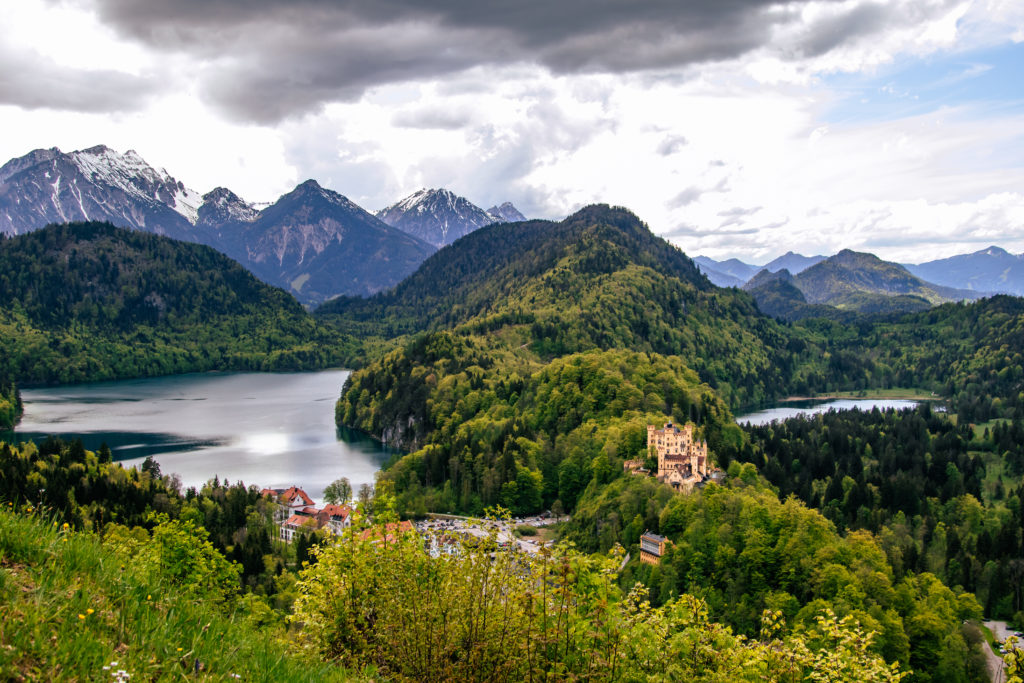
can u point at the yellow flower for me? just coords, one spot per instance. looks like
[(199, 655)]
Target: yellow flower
[(148, 597), (89, 611), (81, 616), (179, 649)]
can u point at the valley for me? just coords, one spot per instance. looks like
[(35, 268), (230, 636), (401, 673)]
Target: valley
[(517, 370)]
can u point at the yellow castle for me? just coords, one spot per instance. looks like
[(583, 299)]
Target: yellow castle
[(682, 461)]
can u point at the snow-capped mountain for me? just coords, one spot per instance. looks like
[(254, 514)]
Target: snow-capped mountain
[(506, 213), (49, 186), (221, 206), (436, 216), (313, 242)]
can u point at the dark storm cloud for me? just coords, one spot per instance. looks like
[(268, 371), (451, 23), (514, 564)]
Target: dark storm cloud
[(32, 81), (264, 60)]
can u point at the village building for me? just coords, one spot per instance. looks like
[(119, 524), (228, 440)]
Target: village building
[(652, 547), (290, 501), (682, 460), (296, 513)]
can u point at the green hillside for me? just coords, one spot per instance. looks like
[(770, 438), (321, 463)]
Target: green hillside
[(88, 301), (575, 336), (598, 280)]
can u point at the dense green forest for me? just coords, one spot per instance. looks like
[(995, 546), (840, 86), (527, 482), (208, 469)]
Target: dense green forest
[(529, 381), (10, 405), (88, 301), (742, 550), (597, 280), (940, 498), (967, 353)]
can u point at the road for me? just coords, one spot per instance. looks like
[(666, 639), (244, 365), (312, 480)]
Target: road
[(996, 668)]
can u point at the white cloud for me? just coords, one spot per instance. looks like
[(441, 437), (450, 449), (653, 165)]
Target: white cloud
[(690, 149)]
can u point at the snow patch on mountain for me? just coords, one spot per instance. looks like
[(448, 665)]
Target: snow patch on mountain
[(130, 173)]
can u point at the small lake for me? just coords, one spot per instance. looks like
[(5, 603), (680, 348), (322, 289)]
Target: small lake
[(788, 409), (268, 429)]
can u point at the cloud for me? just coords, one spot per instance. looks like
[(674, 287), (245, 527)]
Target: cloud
[(267, 60), (671, 145), (432, 117), (33, 81)]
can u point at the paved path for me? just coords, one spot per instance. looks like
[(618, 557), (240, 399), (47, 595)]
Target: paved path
[(996, 667)]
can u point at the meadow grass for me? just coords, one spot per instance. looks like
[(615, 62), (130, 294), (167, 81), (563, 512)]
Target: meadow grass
[(71, 610)]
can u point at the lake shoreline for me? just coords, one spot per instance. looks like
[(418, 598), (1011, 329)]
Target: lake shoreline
[(882, 396)]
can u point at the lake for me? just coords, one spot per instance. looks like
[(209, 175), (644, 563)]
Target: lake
[(268, 429), (782, 411)]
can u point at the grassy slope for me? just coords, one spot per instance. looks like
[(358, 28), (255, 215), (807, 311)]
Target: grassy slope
[(67, 610)]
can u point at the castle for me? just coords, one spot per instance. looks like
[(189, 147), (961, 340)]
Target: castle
[(682, 461)]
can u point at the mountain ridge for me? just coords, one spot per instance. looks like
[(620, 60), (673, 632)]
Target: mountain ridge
[(48, 186), (439, 216)]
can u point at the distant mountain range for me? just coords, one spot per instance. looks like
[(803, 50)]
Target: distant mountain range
[(989, 271), (313, 242), (851, 282)]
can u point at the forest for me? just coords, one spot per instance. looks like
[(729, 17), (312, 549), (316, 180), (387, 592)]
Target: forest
[(88, 301), (534, 394), (518, 369)]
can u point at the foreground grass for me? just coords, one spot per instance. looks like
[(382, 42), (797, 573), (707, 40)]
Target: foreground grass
[(70, 611)]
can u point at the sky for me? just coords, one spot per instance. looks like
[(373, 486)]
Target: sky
[(733, 128)]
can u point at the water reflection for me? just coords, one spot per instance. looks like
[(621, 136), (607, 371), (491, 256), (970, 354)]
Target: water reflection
[(268, 429), (790, 409)]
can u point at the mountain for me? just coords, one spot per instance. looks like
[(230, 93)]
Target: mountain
[(720, 279), (864, 282), (319, 244), (778, 295), (844, 285), (794, 263), (90, 301), (735, 273), (734, 269), (313, 242), (438, 217), (506, 213), (49, 186), (989, 270), (597, 280)]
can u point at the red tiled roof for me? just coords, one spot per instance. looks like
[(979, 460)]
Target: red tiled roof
[(294, 492), (342, 511), (300, 520)]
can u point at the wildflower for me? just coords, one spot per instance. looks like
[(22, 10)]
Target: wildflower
[(81, 616), (179, 649), (149, 597), (89, 611)]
